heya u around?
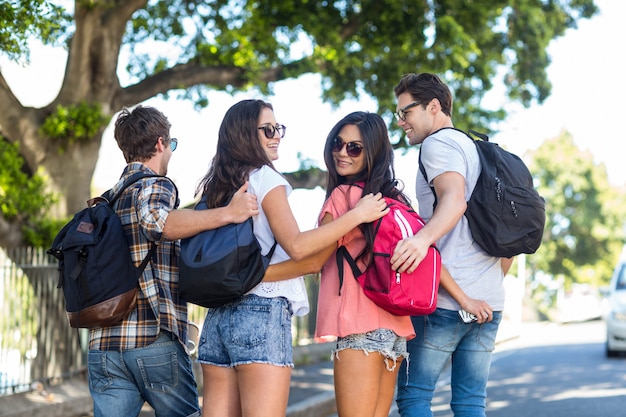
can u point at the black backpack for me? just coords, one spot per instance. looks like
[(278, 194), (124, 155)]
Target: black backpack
[(219, 266), (505, 213), (96, 272)]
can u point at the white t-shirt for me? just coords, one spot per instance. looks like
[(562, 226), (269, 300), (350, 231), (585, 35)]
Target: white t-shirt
[(478, 274), (262, 181)]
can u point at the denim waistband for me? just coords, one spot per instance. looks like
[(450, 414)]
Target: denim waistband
[(166, 335)]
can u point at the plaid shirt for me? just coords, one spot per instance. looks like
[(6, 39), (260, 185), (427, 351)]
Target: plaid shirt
[(143, 209)]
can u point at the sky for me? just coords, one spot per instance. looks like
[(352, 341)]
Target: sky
[(588, 100)]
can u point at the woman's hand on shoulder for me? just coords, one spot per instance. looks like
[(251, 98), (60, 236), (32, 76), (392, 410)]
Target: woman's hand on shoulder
[(371, 207)]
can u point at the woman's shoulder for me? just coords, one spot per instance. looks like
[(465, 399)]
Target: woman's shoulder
[(343, 198), (267, 173), (265, 178), (349, 192)]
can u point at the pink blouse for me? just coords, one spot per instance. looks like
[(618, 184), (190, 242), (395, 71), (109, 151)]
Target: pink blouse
[(350, 312)]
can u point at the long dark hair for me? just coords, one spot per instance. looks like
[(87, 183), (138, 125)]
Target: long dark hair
[(238, 153), (378, 174)]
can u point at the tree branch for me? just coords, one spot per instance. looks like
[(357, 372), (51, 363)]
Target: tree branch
[(307, 179), (191, 74), (177, 77)]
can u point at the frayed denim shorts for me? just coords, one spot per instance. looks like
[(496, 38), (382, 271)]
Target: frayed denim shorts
[(251, 330), (384, 341)]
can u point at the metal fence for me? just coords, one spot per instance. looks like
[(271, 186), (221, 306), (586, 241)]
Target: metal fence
[(36, 343)]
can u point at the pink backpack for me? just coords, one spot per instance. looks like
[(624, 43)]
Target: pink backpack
[(400, 294)]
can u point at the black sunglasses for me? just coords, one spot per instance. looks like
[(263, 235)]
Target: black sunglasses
[(270, 130), (353, 149), (401, 113)]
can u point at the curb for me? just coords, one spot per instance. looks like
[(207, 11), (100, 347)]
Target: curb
[(316, 352), (317, 406)]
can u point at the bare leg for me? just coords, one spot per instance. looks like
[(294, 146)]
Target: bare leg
[(364, 386), (387, 390), (220, 392), (264, 389)]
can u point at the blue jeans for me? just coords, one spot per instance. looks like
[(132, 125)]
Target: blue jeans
[(253, 329), (161, 374), (441, 336)]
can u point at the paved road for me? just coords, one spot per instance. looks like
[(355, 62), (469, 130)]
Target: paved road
[(551, 370)]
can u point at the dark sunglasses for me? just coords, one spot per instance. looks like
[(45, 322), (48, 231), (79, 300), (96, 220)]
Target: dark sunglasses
[(173, 144), (353, 149), (270, 130), (401, 113)]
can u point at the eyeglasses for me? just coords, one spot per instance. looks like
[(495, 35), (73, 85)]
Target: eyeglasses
[(270, 130), (353, 149), (173, 144), (401, 113)]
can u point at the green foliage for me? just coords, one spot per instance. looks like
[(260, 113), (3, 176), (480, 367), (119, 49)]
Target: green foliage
[(362, 47), (23, 197), (195, 313), (75, 123), (40, 232), (20, 194), (584, 214), (23, 19), (188, 47)]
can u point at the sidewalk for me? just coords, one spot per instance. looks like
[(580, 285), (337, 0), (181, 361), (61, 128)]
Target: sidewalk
[(311, 394)]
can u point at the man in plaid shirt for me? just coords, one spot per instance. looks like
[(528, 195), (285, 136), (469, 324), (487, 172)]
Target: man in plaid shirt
[(144, 357)]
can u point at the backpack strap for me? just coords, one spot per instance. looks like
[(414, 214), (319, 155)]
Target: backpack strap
[(470, 132), (112, 198), (144, 263), (341, 254), (271, 252), (423, 171), (481, 136)]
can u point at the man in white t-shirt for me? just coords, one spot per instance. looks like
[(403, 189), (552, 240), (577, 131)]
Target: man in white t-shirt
[(451, 164)]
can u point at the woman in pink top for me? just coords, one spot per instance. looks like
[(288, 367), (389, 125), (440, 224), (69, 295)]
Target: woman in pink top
[(370, 341)]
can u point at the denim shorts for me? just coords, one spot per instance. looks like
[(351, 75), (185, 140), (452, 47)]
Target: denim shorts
[(383, 341), (251, 330)]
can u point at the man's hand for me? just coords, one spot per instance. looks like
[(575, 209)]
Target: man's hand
[(408, 254), (481, 309), (371, 207), (243, 205)]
